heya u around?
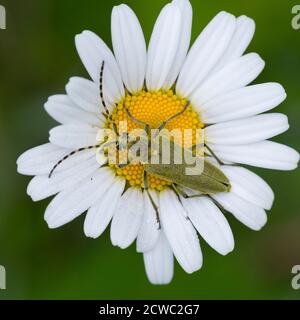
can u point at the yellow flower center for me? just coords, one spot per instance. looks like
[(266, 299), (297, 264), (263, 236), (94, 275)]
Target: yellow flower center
[(152, 108)]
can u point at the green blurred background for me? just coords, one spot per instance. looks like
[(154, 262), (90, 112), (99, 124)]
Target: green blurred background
[(37, 56)]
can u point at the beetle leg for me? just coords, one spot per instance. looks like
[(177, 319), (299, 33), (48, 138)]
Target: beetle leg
[(195, 196), (224, 211), (179, 193), (154, 205), (220, 162), (163, 124), (137, 121)]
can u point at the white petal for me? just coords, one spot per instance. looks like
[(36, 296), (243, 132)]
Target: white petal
[(41, 187), (100, 214), (85, 94), (210, 223), (244, 32), (127, 218), (248, 130), (242, 103), (159, 262), (184, 40), (249, 186), (205, 53), (129, 47), (163, 46), (40, 160), (149, 231), (235, 75), (69, 204), (73, 136), (266, 154), (252, 216), (180, 233), (63, 110), (93, 51)]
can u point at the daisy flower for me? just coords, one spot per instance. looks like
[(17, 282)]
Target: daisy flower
[(214, 75)]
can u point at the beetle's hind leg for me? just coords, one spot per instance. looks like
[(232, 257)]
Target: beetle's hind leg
[(154, 205), (211, 153), (222, 209), (179, 193)]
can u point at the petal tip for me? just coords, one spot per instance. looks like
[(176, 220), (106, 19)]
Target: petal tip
[(160, 282), (227, 250), (247, 20)]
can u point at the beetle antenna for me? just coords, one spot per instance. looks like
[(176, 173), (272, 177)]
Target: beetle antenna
[(101, 88), (106, 113), (71, 154), (174, 116)]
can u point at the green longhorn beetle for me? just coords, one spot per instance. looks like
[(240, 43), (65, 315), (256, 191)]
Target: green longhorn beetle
[(211, 180)]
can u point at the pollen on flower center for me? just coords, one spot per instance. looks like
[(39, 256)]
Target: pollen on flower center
[(152, 108)]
